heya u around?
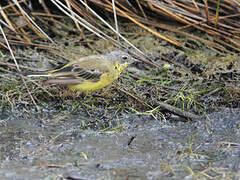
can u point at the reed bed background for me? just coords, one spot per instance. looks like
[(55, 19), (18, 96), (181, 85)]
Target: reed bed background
[(187, 26)]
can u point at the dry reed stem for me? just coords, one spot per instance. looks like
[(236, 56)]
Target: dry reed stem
[(223, 24)]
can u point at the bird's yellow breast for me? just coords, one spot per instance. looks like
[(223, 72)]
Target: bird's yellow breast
[(105, 79)]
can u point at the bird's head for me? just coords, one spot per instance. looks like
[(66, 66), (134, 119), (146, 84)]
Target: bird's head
[(121, 57)]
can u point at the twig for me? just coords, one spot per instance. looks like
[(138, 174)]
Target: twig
[(166, 106), (15, 61), (178, 111)]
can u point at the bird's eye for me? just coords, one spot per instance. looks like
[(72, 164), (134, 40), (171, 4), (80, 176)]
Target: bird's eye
[(124, 57)]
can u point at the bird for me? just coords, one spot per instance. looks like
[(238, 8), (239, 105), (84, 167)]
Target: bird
[(88, 74)]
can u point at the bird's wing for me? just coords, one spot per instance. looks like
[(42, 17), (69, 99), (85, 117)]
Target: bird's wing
[(86, 73), (78, 71)]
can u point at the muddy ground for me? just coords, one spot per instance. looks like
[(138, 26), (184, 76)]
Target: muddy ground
[(138, 147)]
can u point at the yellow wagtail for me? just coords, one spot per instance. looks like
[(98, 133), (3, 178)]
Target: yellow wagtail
[(89, 73)]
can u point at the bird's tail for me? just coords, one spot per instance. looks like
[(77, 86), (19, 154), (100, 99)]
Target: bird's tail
[(37, 74)]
